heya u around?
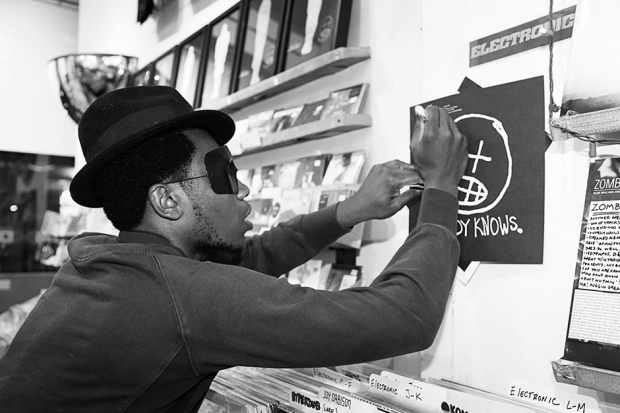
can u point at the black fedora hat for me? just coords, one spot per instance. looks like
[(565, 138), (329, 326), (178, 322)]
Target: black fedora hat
[(123, 118)]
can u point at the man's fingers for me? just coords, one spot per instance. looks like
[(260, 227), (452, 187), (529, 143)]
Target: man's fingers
[(453, 127), (397, 164), (406, 197), (433, 116), (405, 173)]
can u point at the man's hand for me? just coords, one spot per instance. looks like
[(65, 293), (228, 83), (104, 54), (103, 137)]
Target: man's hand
[(379, 196), (440, 152)]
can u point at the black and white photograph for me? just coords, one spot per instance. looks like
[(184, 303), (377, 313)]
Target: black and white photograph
[(294, 206)]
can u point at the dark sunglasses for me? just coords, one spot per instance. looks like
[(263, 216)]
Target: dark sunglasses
[(221, 171)]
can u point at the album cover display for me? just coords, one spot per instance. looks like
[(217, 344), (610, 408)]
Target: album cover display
[(256, 129), (329, 196), (307, 275), (340, 277), (260, 41), (259, 122), (268, 176), (283, 119), (221, 57), (245, 176), (142, 77), (310, 112), (256, 183), (163, 69), (311, 170), (344, 168), (287, 173), (190, 56), (348, 100), (260, 214), (293, 202), (316, 27)]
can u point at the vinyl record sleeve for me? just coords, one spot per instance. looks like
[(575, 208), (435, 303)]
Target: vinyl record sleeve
[(284, 119), (261, 41), (349, 100), (190, 56), (287, 173), (344, 168), (311, 112), (311, 170), (316, 27), (221, 54)]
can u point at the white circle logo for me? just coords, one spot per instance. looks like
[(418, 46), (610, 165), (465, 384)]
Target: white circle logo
[(489, 170)]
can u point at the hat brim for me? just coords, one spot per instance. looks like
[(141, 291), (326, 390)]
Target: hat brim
[(219, 125)]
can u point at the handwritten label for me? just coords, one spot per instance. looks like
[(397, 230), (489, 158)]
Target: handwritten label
[(407, 391), (600, 263), (552, 399), (335, 379), (488, 226), (345, 402), (330, 408)]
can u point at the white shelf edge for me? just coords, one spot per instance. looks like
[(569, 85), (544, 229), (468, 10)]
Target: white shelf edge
[(586, 124), (570, 372), (314, 130), (323, 65)]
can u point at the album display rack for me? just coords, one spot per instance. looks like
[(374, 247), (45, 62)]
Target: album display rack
[(320, 66), (325, 128), (360, 388), (582, 375)]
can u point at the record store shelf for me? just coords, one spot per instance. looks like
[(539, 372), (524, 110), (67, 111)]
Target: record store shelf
[(581, 375), (320, 66), (314, 130), (586, 124)]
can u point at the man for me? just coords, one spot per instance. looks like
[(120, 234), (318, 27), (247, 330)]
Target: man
[(143, 322)]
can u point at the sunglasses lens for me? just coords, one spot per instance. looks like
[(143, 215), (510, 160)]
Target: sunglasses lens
[(232, 177), (222, 171)]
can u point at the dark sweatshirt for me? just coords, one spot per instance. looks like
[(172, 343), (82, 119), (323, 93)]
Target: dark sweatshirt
[(130, 324)]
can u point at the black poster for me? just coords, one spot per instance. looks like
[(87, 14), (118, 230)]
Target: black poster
[(501, 196), (316, 27), (260, 48), (593, 335)]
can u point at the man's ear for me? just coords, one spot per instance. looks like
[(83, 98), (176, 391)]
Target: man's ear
[(165, 202)]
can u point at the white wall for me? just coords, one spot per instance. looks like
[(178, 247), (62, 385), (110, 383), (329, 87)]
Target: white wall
[(510, 321), (31, 114)]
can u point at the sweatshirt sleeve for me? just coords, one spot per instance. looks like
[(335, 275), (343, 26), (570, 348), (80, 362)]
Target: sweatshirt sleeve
[(292, 243), (256, 320)]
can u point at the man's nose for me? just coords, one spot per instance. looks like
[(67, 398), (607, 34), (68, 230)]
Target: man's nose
[(244, 191)]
